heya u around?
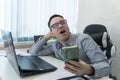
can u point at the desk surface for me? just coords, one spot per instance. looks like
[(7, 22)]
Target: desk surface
[(8, 73)]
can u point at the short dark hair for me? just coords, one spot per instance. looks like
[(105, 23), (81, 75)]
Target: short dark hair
[(55, 15)]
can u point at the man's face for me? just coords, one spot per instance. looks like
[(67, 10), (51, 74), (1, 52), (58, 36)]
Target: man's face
[(60, 28)]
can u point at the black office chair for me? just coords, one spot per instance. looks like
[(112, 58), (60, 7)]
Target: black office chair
[(100, 35), (36, 37)]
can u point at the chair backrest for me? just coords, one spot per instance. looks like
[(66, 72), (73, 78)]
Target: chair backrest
[(100, 35), (36, 37)]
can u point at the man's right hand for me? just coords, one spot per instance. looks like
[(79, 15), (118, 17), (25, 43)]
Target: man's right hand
[(49, 35), (79, 68)]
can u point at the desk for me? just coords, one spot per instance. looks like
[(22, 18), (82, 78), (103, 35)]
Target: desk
[(8, 73)]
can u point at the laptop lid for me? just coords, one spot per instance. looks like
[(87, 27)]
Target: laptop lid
[(10, 50)]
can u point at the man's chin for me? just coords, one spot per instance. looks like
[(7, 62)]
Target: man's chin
[(64, 38)]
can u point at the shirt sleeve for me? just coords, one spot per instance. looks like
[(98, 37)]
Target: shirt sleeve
[(98, 60), (39, 48)]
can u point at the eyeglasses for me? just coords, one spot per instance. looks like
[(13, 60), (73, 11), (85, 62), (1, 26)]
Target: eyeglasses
[(62, 22)]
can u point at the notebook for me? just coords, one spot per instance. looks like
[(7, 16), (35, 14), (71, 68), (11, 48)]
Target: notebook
[(24, 65)]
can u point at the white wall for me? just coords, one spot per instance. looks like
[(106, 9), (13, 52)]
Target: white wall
[(106, 12)]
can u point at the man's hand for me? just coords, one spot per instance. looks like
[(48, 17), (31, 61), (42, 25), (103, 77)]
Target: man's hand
[(49, 35), (79, 68)]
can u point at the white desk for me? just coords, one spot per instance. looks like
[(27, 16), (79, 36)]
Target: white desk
[(8, 73)]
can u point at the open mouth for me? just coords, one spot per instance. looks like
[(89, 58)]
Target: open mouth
[(62, 31)]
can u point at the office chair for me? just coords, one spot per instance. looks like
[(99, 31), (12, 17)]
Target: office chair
[(51, 41), (100, 35), (36, 37)]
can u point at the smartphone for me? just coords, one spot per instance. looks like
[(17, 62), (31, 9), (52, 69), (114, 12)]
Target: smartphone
[(70, 53)]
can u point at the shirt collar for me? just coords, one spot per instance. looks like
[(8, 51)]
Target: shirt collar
[(70, 40), (68, 43)]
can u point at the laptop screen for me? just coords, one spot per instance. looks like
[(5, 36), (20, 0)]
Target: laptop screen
[(9, 48)]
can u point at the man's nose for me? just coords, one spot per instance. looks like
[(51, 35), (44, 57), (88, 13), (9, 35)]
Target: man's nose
[(60, 25)]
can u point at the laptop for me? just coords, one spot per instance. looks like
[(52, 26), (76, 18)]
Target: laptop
[(24, 65)]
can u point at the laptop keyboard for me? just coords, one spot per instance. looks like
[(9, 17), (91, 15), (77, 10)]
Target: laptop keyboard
[(40, 62)]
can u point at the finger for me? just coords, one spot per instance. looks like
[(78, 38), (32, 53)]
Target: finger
[(66, 68), (70, 70), (72, 67), (75, 63), (76, 71)]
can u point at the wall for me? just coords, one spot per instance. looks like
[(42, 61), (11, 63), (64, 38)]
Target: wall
[(106, 12)]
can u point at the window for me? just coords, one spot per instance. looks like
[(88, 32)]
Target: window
[(1, 15), (26, 18)]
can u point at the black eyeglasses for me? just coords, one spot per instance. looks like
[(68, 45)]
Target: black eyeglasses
[(62, 22)]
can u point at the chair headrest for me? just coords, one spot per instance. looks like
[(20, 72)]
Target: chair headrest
[(95, 28), (100, 38), (99, 33)]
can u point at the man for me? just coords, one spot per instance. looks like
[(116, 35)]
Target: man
[(92, 61)]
